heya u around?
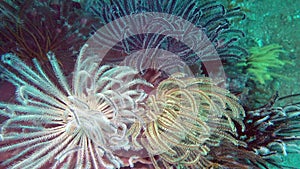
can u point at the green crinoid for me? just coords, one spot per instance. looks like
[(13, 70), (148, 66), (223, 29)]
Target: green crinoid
[(263, 62)]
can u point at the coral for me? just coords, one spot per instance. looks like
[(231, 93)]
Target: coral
[(261, 63)]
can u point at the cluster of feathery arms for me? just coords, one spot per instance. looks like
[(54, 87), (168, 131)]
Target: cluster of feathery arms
[(106, 111), (103, 117)]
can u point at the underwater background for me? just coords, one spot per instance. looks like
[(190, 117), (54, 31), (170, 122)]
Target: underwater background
[(257, 44), (276, 22)]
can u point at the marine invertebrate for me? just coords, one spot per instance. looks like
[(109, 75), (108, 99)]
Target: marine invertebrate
[(262, 61), (262, 68), (228, 155), (184, 117), (211, 18), (272, 132), (32, 28), (60, 125), (105, 119)]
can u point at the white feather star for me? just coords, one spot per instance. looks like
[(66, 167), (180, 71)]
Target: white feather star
[(68, 126)]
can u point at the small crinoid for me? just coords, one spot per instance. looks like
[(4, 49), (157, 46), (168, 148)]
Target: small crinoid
[(183, 118), (263, 62), (58, 125), (263, 69), (32, 28), (211, 18)]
